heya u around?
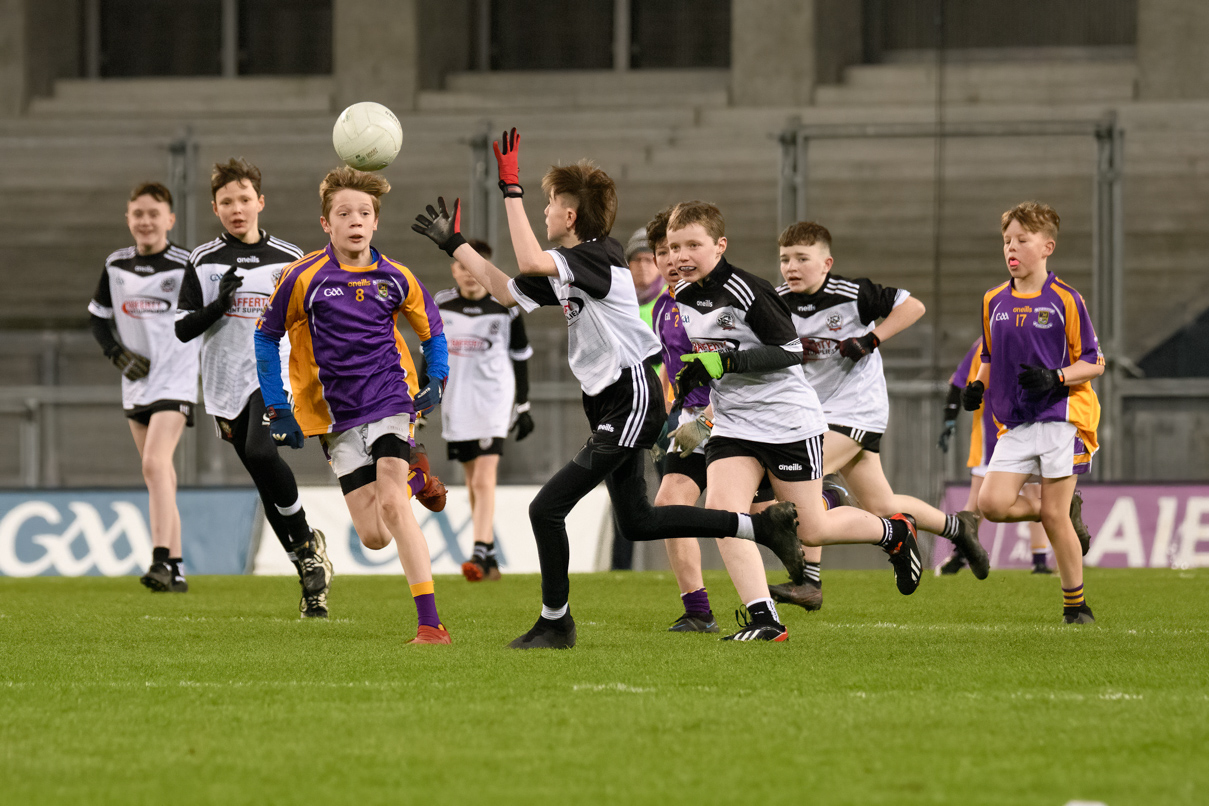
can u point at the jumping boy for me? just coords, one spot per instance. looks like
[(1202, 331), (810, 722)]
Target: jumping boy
[(1039, 354), (610, 350), (488, 390), (225, 290), (137, 295), (352, 376), (767, 418), (841, 323)]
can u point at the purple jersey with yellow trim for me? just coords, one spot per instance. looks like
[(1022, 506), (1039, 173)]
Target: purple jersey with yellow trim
[(983, 434), (674, 343), (1050, 328), (348, 363)]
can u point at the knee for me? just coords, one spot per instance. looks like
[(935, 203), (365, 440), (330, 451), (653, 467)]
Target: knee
[(374, 539), (158, 470), (258, 458), (993, 509)]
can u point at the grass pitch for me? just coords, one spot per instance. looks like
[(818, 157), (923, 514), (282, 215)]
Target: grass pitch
[(965, 693)]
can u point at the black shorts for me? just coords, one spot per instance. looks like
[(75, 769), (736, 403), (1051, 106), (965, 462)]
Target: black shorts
[(868, 440), (791, 461), (142, 414), (628, 412), (472, 449), (694, 465)]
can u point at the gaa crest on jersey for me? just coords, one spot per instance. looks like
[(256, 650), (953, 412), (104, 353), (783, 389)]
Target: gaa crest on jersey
[(726, 320), (277, 275), (168, 284), (1043, 319), (835, 321)]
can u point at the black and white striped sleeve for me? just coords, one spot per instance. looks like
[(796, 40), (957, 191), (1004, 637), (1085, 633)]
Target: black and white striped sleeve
[(875, 302), (768, 316), (101, 303), (586, 267), (532, 293)]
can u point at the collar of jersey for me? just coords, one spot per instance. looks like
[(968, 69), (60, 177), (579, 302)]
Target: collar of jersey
[(231, 240), (374, 253), (1049, 278), (153, 255), (719, 275)]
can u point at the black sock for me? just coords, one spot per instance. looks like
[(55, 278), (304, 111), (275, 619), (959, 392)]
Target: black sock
[(1039, 559), (812, 572), (762, 610), (887, 533), (175, 562), (484, 551), (951, 528), (159, 554)]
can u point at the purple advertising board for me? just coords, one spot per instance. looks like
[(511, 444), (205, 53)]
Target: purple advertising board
[(1131, 525)]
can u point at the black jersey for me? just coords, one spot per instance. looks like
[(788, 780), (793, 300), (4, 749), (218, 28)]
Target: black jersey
[(139, 293), (605, 330)]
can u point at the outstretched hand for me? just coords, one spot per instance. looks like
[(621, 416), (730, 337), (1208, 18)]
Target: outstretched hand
[(443, 229), (508, 162)]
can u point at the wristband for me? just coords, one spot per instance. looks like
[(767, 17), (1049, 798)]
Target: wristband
[(512, 191), (1061, 377), (521, 408)]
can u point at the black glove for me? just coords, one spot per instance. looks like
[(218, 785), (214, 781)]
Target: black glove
[(692, 376), (971, 396), (132, 365), (523, 426), (855, 349), (227, 287), (284, 428), (1036, 379), (427, 398), (946, 435), (444, 230)]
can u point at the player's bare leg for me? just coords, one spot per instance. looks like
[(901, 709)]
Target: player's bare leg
[(1000, 499), (156, 443), (684, 555), (481, 474), (1056, 495)]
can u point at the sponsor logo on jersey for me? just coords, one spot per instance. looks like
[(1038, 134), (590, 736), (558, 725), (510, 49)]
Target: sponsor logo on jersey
[(704, 303), (572, 308), (819, 349), (794, 466), (249, 305), (835, 322), (334, 292), (605, 427), (1043, 319), (143, 269), (249, 259), (472, 309), (466, 345), (145, 307), (714, 345), (726, 320), (354, 283), (805, 308)]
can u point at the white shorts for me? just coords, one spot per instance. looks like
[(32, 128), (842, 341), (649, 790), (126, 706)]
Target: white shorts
[(1045, 449), (349, 450)]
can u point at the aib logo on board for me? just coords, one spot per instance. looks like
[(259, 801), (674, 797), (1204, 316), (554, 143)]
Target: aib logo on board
[(37, 537)]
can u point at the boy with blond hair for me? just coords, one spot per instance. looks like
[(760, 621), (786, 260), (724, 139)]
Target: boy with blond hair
[(353, 380), (611, 352), (1040, 354)]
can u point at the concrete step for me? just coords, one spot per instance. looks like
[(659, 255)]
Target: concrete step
[(187, 97), (485, 102), (525, 82)]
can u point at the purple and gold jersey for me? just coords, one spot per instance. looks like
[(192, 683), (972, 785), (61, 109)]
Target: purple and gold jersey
[(674, 342), (984, 433), (1050, 328), (348, 363)]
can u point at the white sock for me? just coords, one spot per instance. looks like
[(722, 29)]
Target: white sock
[(291, 509), (746, 530), (555, 614)]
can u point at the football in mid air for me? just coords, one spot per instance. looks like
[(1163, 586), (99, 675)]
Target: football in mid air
[(367, 136)]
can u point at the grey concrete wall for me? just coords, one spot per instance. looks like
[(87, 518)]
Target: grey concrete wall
[(53, 41), (1173, 49), (839, 38), (376, 52), (447, 31), (13, 69)]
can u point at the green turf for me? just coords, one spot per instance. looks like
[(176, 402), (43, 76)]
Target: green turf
[(965, 693)]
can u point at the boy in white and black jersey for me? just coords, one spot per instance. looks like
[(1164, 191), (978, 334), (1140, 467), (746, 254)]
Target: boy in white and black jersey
[(137, 295), (486, 397), (611, 351), (841, 322), (767, 419), (225, 290)]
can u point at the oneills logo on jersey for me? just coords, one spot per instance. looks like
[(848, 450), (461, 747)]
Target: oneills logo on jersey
[(572, 308), (466, 345), (819, 349), (145, 307), (714, 345), (248, 305)]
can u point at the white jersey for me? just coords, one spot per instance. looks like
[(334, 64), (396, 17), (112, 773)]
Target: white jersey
[(605, 331), (852, 393), (228, 359), (484, 339), (734, 310), (139, 293)]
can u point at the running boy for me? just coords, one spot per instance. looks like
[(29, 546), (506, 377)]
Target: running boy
[(352, 376), (488, 389), (610, 350), (838, 322), (225, 291), (137, 294), (766, 416), (1039, 354)]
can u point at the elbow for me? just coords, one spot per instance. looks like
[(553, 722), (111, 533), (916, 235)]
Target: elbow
[(919, 308), (529, 269), (1097, 370)]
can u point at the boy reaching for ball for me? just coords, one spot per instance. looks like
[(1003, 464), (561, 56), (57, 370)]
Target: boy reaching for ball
[(352, 376)]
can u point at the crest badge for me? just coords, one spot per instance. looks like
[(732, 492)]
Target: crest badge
[(726, 320), (835, 322)]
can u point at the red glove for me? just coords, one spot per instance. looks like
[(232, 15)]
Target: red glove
[(508, 162)]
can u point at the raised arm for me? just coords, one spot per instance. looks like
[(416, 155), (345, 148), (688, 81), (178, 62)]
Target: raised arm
[(445, 231), (531, 259)]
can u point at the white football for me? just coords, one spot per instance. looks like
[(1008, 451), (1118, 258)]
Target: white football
[(367, 136)]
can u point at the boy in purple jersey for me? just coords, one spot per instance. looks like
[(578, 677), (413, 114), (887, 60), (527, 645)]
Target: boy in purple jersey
[(352, 374), (1039, 354), (983, 436)]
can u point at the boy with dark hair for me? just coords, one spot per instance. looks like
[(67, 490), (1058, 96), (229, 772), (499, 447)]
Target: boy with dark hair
[(610, 350), (225, 290), (353, 381), (841, 323), (137, 296), (1039, 354), (767, 418), (487, 396)]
